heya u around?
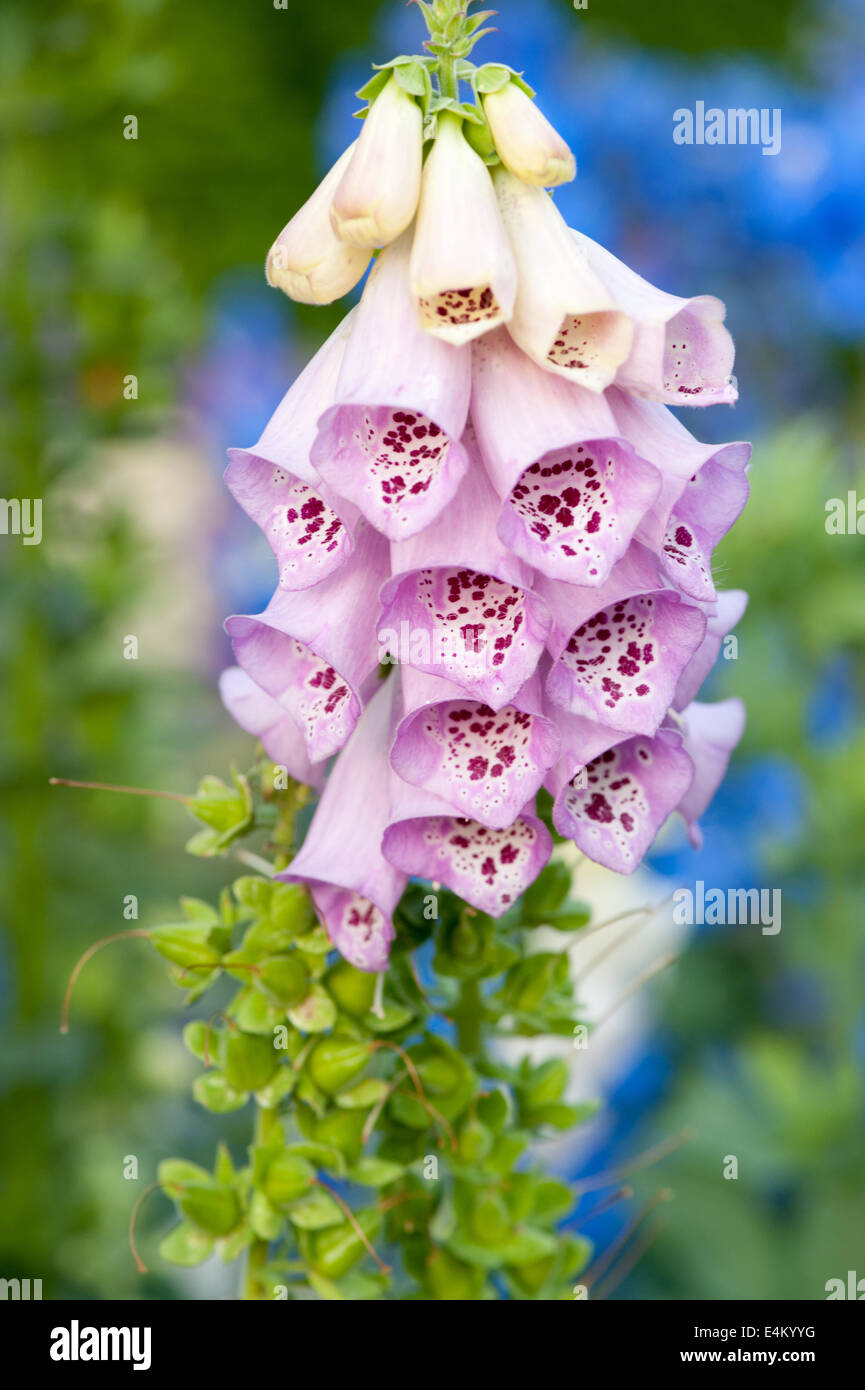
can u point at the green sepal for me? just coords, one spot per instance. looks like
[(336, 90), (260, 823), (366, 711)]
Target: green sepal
[(227, 812), (392, 1018), (248, 1060), (175, 1173), (186, 944), (335, 1061), (212, 1205), (370, 1171), (186, 1245), (314, 1014), (287, 1176), (213, 1092), (362, 1096), (281, 1084), (333, 1252), (195, 1038), (322, 1155), (264, 1219), (315, 1212), (234, 1245), (254, 1013)]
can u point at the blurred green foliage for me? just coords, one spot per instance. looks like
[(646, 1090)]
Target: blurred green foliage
[(769, 1032)]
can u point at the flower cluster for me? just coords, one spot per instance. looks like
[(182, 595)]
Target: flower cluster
[(478, 481)]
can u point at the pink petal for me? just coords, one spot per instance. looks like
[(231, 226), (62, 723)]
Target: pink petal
[(459, 604), (488, 868), (391, 441), (729, 609), (260, 715), (682, 352), (620, 650), (304, 653), (485, 765), (354, 888), (573, 490), (711, 734), (629, 792)]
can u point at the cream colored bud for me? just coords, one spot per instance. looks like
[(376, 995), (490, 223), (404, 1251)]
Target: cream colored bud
[(308, 261), (526, 142)]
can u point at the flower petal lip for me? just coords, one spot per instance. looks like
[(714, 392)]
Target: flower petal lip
[(618, 651), (729, 609), (662, 439), (564, 318), (377, 196), (627, 793), (709, 505), (525, 141), (355, 889), (487, 868), (573, 489), (485, 764), (390, 442), (304, 653), (462, 273), (260, 715), (309, 529), (711, 733), (459, 604), (308, 262), (682, 352)]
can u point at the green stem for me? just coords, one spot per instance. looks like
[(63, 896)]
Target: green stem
[(449, 85), (468, 1018), (265, 1123)]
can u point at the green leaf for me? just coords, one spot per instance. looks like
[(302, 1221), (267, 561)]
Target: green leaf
[(288, 1176), (375, 1172), (264, 1219), (322, 1155), (316, 1013), (529, 1245), (248, 1060), (213, 1092), (315, 1212), (492, 1109), (212, 1205), (196, 910), (185, 944), (177, 1172), (254, 891), (362, 1096), (548, 891), (235, 1244), (255, 1014), (284, 979), (353, 990), (186, 1245), (281, 1084), (227, 812), (335, 1061), (492, 77), (393, 1017), (195, 1038)]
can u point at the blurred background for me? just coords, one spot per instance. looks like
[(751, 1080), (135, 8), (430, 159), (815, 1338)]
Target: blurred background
[(142, 258)]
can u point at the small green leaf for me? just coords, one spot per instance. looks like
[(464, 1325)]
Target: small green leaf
[(264, 1219), (248, 1060), (362, 1096), (316, 1013), (375, 1172), (213, 1092), (186, 1245), (315, 1212)]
